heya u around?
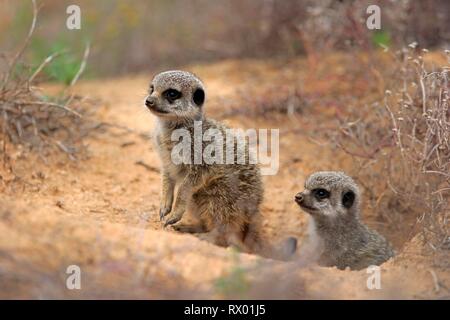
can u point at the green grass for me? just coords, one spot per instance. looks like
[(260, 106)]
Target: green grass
[(382, 39), (70, 44), (62, 68), (234, 284)]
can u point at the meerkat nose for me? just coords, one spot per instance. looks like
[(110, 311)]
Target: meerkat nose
[(299, 197), (150, 101)]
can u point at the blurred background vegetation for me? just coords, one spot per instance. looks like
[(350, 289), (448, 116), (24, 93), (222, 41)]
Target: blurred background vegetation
[(145, 36)]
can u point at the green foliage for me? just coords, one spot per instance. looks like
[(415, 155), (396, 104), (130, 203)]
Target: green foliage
[(381, 38), (63, 68), (70, 44), (235, 284)]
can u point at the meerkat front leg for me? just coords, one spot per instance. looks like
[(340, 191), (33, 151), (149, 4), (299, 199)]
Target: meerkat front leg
[(183, 195), (167, 191)]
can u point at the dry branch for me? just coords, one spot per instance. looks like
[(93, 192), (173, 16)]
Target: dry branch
[(409, 140), (29, 119)]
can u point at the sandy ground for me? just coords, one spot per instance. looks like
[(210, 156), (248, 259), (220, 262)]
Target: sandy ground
[(101, 213)]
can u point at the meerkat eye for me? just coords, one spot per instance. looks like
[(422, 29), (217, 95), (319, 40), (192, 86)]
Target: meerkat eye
[(321, 194), (151, 89), (172, 95)]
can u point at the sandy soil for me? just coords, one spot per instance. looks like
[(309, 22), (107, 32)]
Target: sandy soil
[(101, 213)]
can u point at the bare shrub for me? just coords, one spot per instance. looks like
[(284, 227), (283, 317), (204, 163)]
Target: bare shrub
[(283, 100), (29, 117), (403, 144)]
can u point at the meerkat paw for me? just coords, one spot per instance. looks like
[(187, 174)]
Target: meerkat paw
[(164, 211), (173, 218)]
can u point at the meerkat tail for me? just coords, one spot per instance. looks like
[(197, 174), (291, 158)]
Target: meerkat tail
[(281, 251)]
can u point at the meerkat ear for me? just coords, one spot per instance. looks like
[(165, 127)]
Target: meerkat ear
[(348, 199), (199, 97)]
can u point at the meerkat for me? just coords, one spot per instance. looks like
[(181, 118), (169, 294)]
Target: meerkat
[(339, 238), (224, 198)]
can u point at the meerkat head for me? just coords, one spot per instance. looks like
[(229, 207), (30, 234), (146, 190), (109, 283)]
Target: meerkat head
[(176, 95), (329, 194)]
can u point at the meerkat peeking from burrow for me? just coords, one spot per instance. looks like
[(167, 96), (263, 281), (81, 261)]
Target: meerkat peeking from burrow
[(224, 198), (332, 199)]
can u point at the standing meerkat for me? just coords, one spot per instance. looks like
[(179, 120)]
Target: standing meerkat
[(225, 198), (332, 199)]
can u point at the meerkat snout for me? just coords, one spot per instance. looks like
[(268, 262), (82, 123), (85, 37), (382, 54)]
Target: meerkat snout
[(152, 105), (150, 101), (312, 201), (299, 198)]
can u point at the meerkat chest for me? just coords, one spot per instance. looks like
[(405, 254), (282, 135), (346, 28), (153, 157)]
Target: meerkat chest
[(328, 244), (164, 146), (313, 246)]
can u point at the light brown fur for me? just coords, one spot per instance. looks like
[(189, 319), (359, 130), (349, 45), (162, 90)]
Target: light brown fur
[(224, 198)]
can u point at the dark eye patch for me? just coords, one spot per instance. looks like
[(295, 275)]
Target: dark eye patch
[(171, 95), (199, 97), (151, 89), (321, 194), (348, 199)]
